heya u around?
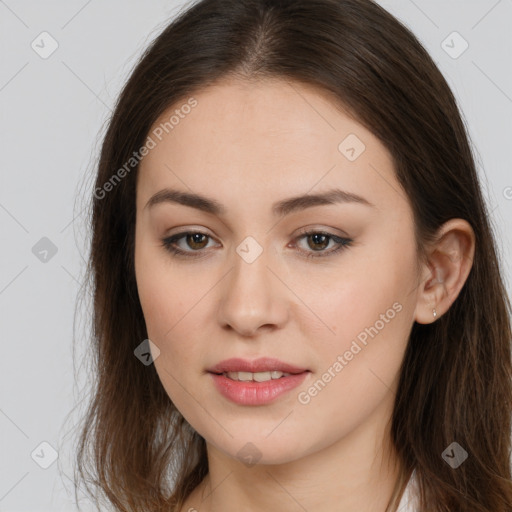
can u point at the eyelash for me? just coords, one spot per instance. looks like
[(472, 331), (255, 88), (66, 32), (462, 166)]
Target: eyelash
[(343, 243)]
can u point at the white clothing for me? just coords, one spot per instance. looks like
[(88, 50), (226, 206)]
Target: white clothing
[(409, 500)]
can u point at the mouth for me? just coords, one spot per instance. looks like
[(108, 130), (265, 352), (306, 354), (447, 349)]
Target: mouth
[(256, 382)]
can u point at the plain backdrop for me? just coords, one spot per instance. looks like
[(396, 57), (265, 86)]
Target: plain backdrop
[(53, 110)]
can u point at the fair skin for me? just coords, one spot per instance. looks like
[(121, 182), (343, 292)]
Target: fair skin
[(248, 146)]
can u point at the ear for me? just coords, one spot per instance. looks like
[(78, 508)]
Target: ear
[(448, 265)]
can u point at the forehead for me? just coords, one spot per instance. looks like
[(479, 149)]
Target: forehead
[(266, 139)]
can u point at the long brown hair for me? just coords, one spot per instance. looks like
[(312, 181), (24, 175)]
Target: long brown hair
[(456, 377)]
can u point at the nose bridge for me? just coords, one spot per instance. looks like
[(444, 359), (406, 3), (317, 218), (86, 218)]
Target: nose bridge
[(252, 296)]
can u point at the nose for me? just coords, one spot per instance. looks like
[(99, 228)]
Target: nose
[(253, 298)]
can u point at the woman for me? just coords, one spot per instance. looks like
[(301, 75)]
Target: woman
[(298, 302)]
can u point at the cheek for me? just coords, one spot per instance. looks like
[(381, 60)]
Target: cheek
[(340, 308), (357, 367), (364, 314), (174, 303), (168, 312)]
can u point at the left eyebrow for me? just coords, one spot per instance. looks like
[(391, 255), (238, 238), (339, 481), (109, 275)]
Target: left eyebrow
[(281, 208), (332, 196)]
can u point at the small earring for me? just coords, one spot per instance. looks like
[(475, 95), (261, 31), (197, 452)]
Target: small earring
[(434, 312)]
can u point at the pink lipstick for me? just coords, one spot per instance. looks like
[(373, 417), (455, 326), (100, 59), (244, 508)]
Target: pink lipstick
[(256, 382)]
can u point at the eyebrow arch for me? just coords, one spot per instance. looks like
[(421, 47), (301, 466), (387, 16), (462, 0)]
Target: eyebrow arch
[(281, 208)]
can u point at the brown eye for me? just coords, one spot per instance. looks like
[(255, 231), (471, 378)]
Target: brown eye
[(319, 241), (318, 244), (188, 243), (197, 240)]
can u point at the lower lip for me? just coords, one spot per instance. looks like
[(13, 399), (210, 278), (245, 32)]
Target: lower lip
[(256, 393)]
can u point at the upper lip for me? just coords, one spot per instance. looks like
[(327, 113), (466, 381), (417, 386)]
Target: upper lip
[(263, 364)]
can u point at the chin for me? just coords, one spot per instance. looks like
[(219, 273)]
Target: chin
[(259, 448)]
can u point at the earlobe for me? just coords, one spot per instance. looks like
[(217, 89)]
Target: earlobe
[(449, 262)]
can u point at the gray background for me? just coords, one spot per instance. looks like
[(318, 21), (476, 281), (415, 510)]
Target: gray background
[(53, 115)]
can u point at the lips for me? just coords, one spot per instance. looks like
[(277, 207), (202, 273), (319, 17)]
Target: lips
[(263, 364)]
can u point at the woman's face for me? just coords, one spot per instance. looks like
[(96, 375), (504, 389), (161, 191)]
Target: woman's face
[(338, 303)]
